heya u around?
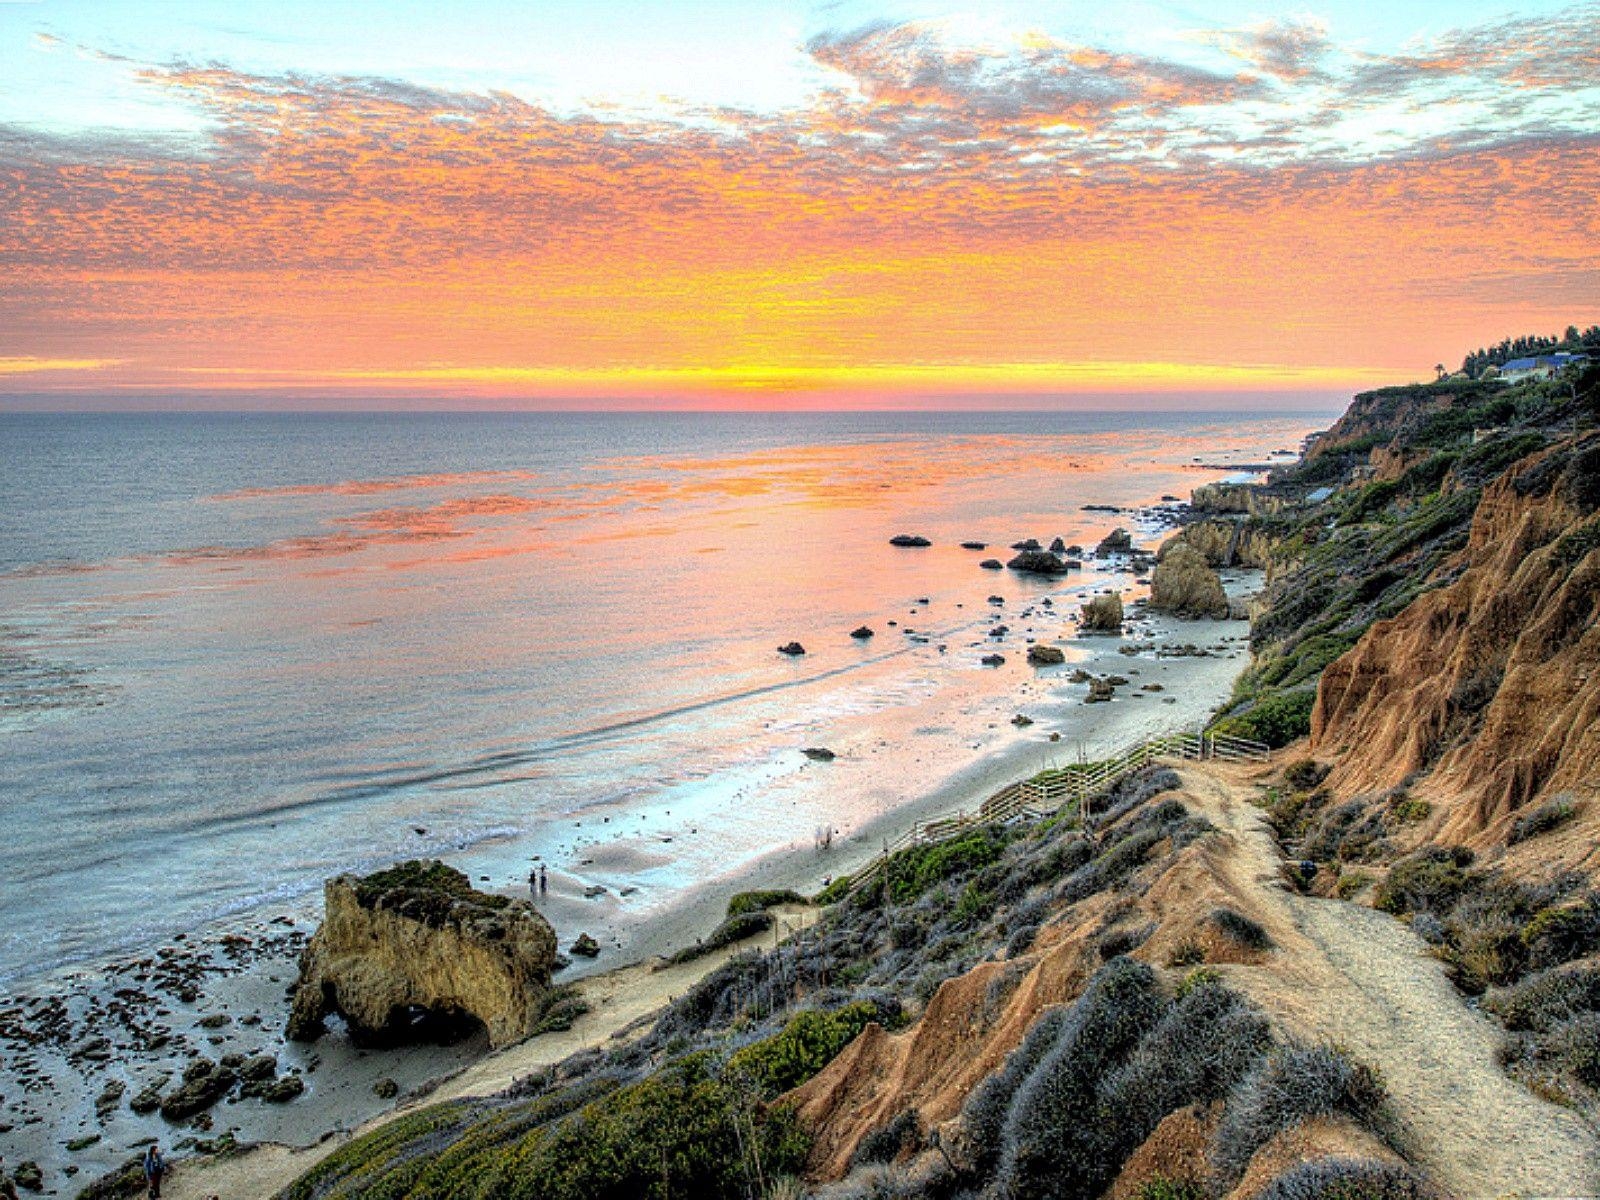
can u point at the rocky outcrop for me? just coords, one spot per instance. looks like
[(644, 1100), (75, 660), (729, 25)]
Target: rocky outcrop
[(1489, 685), (1041, 655), (1184, 585), (1103, 614), (1118, 541), (415, 951), (1244, 498), (1037, 562), (1229, 543)]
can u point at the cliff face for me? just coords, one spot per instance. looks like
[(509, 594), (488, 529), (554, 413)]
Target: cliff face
[(416, 949), (1490, 685)]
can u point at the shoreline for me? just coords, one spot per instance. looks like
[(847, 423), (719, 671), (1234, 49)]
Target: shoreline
[(623, 995), (240, 970)]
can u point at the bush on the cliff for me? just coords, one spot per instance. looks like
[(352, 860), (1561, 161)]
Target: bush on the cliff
[(984, 1113), (1542, 818), (902, 1134), (1241, 930), (735, 929), (1292, 1085), (1053, 1123), (1347, 1179), (1547, 998), (1276, 720), (915, 869), (682, 1131), (1430, 881), (809, 1042), (760, 901)]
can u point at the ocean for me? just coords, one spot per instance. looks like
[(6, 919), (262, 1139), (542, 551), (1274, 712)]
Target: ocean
[(241, 653)]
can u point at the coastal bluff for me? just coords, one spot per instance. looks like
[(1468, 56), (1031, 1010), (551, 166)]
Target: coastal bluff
[(415, 952)]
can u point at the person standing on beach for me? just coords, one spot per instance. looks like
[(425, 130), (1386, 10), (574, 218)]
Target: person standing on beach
[(155, 1167), (544, 881)]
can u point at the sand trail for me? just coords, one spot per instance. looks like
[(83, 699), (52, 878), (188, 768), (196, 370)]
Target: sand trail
[(1351, 975)]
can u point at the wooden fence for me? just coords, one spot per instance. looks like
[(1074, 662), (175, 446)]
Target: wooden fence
[(1077, 783)]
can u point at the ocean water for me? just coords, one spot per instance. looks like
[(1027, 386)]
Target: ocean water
[(239, 653)]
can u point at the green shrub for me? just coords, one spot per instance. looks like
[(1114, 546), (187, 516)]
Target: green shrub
[(1198, 978), (1276, 720), (835, 891), (1552, 814), (683, 1131), (734, 929), (1562, 933), (1186, 954), (1410, 810), (1306, 774), (1572, 1047), (1350, 883), (760, 901), (1431, 881), (809, 1042), (914, 870), (1163, 1188), (559, 1008)]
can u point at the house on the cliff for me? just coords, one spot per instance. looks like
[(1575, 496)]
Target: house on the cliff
[(1540, 366)]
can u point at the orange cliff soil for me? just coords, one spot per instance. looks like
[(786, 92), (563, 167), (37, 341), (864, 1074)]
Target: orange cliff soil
[(1488, 688)]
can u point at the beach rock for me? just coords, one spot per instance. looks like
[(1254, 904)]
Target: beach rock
[(1021, 722), (909, 539), (28, 1176), (585, 946), (415, 951), (1118, 541), (1100, 691), (1185, 585), (109, 1098), (262, 1066), (386, 1089), (999, 631), (1103, 614), (1106, 508), (1058, 547), (861, 633), (819, 754), (993, 660), (1037, 562), (1026, 544), (792, 649), (1046, 656), (594, 891), (992, 564), (275, 1091), (974, 545), (148, 1098), (204, 1083)]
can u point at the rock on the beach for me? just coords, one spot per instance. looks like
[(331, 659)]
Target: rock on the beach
[(1118, 541), (992, 564), (1041, 655), (792, 649), (1103, 614), (819, 754), (1026, 544), (974, 545), (993, 660), (204, 1083), (861, 633), (1100, 690), (1185, 585), (585, 946), (909, 539), (417, 941), (386, 1089), (1058, 547), (1037, 562)]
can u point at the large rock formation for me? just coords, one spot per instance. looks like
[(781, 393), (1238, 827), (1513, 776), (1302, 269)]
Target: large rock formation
[(1490, 683), (1229, 543), (1103, 614), (415, 951), (1038, 562), (1185, 585)]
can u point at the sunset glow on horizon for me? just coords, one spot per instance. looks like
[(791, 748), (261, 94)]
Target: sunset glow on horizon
[(775, 205)]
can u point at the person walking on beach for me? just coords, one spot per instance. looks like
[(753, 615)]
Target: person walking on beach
[(155, 1167), (544, 881)]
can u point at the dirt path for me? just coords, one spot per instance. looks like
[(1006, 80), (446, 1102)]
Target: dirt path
[(619, 1002), (1355, 976)]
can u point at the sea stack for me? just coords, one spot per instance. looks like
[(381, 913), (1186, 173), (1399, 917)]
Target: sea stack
[(415, 952)]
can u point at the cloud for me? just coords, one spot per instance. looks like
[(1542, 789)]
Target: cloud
[(1011, 209)]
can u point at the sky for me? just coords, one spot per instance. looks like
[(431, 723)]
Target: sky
[(748, 203)]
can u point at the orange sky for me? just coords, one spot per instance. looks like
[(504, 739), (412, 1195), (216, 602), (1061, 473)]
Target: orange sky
[(1062, 221)]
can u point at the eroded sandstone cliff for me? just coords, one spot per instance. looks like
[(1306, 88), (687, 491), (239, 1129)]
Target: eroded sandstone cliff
[(415, 951)]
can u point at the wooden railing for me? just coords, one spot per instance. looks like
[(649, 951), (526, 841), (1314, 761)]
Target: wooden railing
[(1051, 790)]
